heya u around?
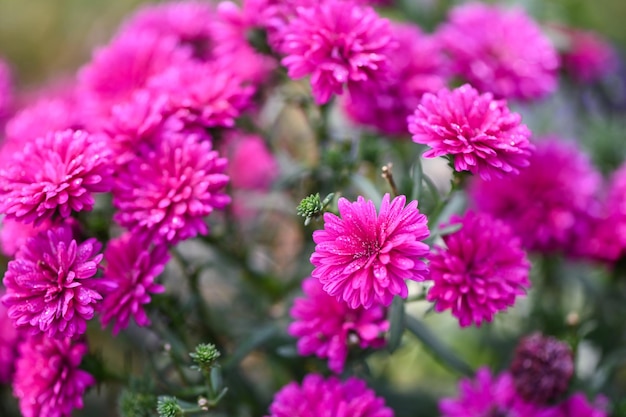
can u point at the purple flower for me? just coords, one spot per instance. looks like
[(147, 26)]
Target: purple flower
[(48, 381), (547, 203), (364, 258), (336, 43), (133, 265), (479, 133), (416, 67), (512, 59), (578, 406), (481, 270), (327, 327), (51, 284), (9, 340), (588, 57), (55, 175), (328, 397), (165, 193)]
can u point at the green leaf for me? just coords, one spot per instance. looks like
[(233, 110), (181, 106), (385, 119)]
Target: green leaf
[(396, 318), (257, 339), (417, 174), (367, 188)]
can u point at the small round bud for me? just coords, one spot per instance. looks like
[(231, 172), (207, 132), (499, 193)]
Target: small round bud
[(205, 356), (169, 407)]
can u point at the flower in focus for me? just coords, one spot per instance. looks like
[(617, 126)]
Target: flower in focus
[(51, 284), (482, 269), (55, 175), (327, 327), (336, 43), (365, 258), (512, 59), (133, 266), (48, 381), (480, 133), (9, 339), (165, 193), (416, 67), (547, 204), (542, 368), (587, 57), (328, 397)]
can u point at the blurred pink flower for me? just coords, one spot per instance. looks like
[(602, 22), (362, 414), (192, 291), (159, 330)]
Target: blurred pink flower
[(328, 397), (6, 91), (327, 327), (588, 57), (14, 234), (9, 339), (364, 258), (578, 406), (479, 133), (48, 381), (512, 60), (337, 43), (481, 270)]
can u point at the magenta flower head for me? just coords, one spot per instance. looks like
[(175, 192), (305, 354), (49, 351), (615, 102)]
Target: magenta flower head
[(416, 67), (48, 381), (327, 327), (51, 284), (479, 133), (164, 194), (364, 258), (336, 43), (55, 175), (481, 270), (133, 265), (328, 397), (578, 406), (547, 203), (588, 57), (512, 60), (9, 340), (14, 234), (204, 94)]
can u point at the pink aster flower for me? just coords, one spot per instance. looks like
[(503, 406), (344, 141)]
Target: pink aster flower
[(51, 284), (14, 234), (337, 43), (513, 59), (133, 265), (578, 406), (364, 258), (48, 381), (416, 67), (9, 339), (165, 193), (480, 133), (55, 175), (588, 56), (205, 94), (548, 203), (327, 327), (489, 395), (482, 269), (328, 397)]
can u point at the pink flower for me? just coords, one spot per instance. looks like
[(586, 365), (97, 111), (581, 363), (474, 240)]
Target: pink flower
[(512, 59), (165, 193), (51, 284), (133, 265), (337, 43), (481, 271), (578, 406), (328, 397), (365, 258), (9, 339), (55, 175), (327, 327), (487, 396), (480, 133), (206, 94), (14, 234), (588, 56), (548, 203), (416, 67), (48, 381)]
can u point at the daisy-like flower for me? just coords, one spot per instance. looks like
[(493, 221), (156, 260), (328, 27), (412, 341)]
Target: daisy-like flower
[(9, 340), (481, 270), (48, 381), (55, 175), (51, 284), (364, 258), (327, 327), (328, 397), (209, 95), (548, 203), (481, 134), (165, 193), (337, 43), (416, 67), (133, 265), (513, 59)]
